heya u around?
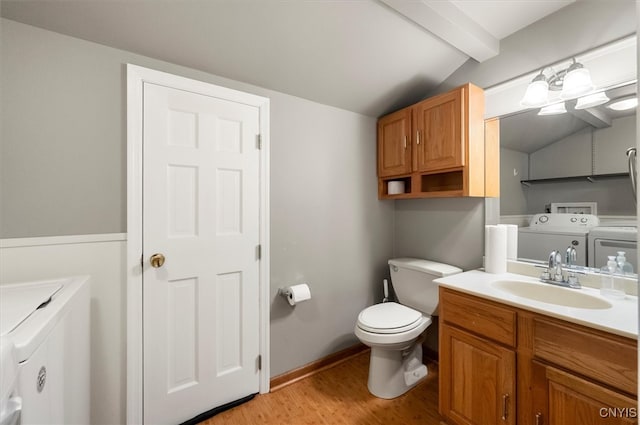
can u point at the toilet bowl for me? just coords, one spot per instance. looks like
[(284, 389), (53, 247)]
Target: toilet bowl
[(394, 330)]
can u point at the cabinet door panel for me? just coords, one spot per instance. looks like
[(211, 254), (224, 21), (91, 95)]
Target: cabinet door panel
[(477, 380), (394, 145), (571, 400), (439, 135)]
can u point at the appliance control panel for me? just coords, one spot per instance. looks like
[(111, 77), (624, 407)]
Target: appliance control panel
[(547, 220)]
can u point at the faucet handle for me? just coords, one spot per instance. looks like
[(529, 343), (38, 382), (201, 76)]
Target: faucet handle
[(545, 274)]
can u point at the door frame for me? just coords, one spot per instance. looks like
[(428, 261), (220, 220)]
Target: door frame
[(136, 76)]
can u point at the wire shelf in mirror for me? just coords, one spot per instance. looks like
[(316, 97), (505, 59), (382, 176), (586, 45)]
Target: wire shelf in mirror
[(593, 178)]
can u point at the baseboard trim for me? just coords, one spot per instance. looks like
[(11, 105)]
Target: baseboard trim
[(288, 378)]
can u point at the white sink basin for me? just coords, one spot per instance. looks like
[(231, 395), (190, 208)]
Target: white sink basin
[(550, 294)]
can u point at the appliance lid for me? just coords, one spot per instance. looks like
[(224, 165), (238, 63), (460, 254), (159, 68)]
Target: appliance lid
[(555, 230), (622, 233), (425, 266), (18, 302), (388, 318)]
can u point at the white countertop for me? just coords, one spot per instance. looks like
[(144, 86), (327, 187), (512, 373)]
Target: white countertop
[(620, 319)]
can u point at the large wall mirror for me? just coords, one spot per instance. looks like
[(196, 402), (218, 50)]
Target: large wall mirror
[(574, 162)]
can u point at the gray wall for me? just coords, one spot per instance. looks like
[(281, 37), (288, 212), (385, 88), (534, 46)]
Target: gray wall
[(614, 196), (588, 151), (570, 156), (514, 166), (448, 230), (63, 163)]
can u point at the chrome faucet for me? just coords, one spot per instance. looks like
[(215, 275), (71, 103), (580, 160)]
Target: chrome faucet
[(555, 266), (554, 273), (572, 256)]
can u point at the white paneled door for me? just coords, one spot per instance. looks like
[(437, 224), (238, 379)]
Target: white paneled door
[(201, 198)]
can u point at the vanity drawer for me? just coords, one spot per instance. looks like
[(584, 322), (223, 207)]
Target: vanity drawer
[(609, 359), (482, 317)]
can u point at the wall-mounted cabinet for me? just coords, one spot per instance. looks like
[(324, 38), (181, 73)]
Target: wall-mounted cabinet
[(437, 147)]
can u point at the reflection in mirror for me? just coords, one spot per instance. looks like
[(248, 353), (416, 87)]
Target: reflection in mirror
[(572, 163)]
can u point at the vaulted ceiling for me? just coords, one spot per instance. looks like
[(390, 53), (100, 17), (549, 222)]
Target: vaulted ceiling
[(366, 56)]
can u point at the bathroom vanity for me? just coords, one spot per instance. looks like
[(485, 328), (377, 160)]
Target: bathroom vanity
[(514, 359)]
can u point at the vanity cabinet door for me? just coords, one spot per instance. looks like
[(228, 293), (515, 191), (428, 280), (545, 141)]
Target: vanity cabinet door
[(394, 144), (561, 398), (477, 380)]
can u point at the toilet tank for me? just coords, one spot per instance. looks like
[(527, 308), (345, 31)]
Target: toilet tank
[(412, 280)]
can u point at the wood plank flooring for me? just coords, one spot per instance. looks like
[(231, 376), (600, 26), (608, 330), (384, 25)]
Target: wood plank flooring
[(338, 396)]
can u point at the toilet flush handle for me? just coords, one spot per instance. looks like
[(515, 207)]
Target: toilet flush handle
[(394, 267)]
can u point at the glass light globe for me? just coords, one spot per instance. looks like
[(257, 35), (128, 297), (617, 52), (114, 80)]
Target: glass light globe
[(536, 94), (577, 82)]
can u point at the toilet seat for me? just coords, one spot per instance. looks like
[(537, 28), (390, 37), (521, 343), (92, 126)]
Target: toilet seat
[(389, 318)]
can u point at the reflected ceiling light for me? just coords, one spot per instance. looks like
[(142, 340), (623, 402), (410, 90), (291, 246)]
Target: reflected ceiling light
[(624, 104), (571, 82), (591, 100), (555, 109)]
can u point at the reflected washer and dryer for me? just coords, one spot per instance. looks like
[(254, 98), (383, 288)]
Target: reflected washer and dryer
[(44, 330), (607, 240), (556, 231)]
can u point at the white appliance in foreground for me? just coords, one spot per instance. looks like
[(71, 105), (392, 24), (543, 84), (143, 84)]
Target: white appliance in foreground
[(44, 329), (554, 231)]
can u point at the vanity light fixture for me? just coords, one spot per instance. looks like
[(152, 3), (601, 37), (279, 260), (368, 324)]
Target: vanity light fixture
[(555, 109), (624, 104), (577, 81), (591, 100), (571, 82), (537, 92)]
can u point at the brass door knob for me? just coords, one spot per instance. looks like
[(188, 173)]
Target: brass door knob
[(156, 260)]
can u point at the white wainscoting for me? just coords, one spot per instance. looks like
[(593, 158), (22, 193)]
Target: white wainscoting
[(103, 258)]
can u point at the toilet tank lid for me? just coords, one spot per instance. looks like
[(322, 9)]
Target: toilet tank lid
[(425, 266)]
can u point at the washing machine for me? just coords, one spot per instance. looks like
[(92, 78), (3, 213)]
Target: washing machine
[(608, 240), (44, 328), (556, 231)]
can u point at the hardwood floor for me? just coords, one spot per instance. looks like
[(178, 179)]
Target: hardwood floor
[(338, 395)]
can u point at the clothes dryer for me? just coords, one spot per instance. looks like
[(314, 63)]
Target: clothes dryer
[(608, 240)]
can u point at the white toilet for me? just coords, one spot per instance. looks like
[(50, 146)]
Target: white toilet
[(392, 330)]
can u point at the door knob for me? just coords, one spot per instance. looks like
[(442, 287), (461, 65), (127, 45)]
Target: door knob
[(156, 260)]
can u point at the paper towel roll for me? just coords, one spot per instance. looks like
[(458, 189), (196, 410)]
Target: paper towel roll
[(298, 293), (495, 249), (512, 241)]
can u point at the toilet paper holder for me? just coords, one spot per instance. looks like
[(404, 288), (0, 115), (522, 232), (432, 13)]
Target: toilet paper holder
[(284, 292), (295, 294)]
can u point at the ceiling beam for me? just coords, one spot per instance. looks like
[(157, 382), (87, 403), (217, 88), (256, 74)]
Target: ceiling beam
[(594, 116), (443, 19)]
